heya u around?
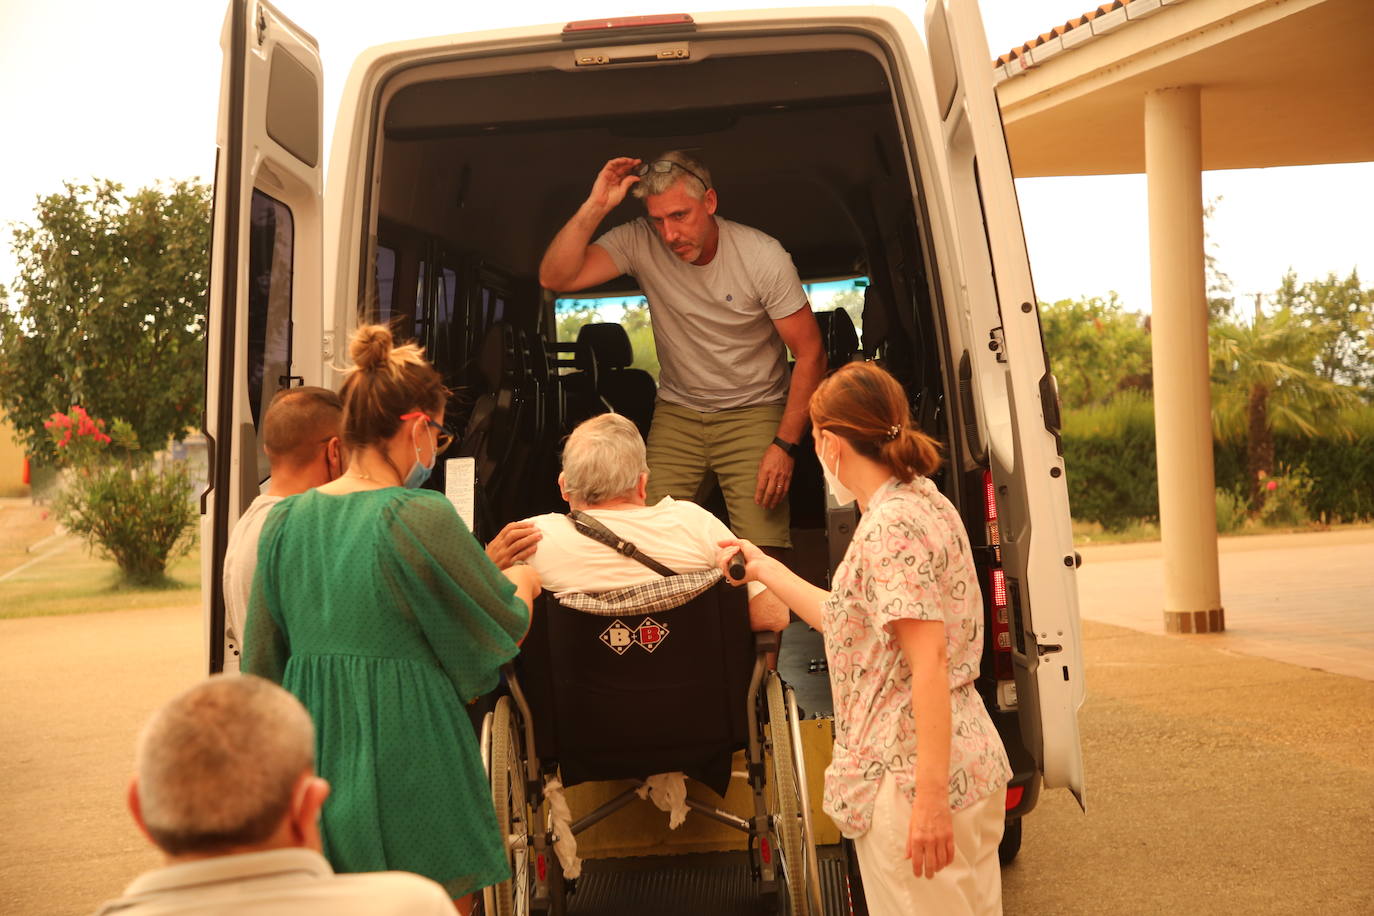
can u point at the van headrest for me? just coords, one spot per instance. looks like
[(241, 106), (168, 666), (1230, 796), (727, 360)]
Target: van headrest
[(608, 342), (838, 334)]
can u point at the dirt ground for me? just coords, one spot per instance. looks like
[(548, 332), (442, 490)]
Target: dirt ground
[(1217, 783)]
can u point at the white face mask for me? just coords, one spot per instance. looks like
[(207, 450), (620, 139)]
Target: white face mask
[(843, 495)]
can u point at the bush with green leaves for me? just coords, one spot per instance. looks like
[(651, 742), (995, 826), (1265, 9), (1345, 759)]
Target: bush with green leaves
[(1109, 454), (125, 506)]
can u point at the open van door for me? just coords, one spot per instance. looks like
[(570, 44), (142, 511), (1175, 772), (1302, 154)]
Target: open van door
[(1016, 395), (265, 316)]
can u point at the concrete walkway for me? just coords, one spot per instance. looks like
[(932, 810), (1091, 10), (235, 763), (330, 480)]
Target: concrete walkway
[(1306, 599)]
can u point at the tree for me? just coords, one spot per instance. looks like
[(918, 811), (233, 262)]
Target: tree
[(1096, 349), (640, 329), (1219, 302), (109, 311), (1341, 314), (1264, 377)]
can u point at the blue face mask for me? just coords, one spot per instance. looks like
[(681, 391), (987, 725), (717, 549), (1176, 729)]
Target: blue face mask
[(418, 472)]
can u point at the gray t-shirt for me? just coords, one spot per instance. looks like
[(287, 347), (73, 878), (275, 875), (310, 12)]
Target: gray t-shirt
[(713, 325)]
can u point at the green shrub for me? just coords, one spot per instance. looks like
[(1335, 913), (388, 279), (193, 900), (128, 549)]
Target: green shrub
[(1286, 498), (1109, 455), (127, 508), (1230, 511)]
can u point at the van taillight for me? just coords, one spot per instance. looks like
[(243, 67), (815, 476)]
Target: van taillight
[(1014, 794), (997, 587), (990, 509), (585, 26)]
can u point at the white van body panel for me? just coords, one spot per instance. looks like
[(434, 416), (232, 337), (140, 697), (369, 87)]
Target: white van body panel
[(1012, 382), (253, 107)]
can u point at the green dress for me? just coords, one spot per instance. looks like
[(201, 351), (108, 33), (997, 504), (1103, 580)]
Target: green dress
[(381, 613)]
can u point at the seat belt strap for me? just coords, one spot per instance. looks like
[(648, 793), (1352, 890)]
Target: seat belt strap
[(592, 528)]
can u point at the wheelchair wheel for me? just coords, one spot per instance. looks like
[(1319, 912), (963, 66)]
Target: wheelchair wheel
[(790, 837), (512, 897)]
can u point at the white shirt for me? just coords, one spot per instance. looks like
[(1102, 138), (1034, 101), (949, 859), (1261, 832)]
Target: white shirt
[(240, 563), (679, 534), (280, 882)]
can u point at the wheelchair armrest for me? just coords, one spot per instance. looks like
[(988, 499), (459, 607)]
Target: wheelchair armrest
[(767, 641)]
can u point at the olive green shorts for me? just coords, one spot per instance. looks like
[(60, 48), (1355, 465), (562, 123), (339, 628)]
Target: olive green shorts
[(689, 451)]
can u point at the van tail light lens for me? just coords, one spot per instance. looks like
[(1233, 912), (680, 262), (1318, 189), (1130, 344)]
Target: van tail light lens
[(587, 26), (990, 509), (1014, 794)]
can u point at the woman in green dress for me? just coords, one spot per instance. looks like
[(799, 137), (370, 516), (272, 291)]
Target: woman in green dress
[(374, 605)]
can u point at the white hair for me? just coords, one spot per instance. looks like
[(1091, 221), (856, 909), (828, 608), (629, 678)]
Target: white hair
[(217, 765), (603, 459), (654, 183)]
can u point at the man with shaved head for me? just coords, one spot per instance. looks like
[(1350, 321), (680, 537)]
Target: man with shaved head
[(300, 434), (225, 786)]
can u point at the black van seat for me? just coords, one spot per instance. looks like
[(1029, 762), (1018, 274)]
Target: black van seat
[(630, 392), (839, 337)]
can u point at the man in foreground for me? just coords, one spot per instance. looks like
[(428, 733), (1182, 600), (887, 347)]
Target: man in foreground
[(225, 786)]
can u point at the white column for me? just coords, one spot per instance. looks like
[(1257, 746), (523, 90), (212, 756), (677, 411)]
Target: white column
[(1182, 391)]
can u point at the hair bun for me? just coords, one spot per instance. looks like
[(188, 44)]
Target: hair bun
[(371, 346)]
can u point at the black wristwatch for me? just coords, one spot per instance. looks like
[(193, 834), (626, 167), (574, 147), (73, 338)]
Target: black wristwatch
[(787, 447)]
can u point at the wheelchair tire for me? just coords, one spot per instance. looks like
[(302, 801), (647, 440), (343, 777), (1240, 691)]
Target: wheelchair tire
[(787, 815), (512, 897)]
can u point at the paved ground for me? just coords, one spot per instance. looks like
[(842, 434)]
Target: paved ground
[(1217, 782), (1306, 599)]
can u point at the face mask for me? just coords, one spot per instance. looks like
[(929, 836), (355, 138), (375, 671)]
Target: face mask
[(843, 495), (419, 473)]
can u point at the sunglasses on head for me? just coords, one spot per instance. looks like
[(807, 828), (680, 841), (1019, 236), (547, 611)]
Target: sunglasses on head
[(442, 437), (664, 166)]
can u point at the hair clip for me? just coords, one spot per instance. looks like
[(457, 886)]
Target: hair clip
[(893, 432)]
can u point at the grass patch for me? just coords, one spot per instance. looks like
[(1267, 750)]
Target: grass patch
[(75, 581), (1094, 533)]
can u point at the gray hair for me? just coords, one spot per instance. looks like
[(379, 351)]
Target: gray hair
[(217, 765), (603, 459), (658, 182)]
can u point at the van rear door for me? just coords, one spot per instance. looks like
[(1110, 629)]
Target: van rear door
[(264, 328), (1016, 395)]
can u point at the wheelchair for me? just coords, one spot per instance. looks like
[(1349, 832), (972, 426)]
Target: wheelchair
[(602, 693)]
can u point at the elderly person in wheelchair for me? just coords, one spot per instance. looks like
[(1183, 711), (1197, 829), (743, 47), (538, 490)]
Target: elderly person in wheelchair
[(642, 661)]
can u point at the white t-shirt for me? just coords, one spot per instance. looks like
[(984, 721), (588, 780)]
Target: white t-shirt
[(679, 534), (240, 563), (713, 324), (281, 882)]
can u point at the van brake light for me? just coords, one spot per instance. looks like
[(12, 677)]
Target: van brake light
[(588, 26)]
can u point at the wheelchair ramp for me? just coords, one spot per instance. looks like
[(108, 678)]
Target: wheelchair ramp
[(690, 885)]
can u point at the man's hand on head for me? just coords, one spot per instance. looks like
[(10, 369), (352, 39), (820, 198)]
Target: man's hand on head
[(517, 541), (775, 477), (613, 182)]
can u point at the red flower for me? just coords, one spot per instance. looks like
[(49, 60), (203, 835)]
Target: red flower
[(1272, 485)]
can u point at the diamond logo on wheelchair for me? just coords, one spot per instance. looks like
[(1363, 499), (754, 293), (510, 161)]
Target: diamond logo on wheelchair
[(649, 635)]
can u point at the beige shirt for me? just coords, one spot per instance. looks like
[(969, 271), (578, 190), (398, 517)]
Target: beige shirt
[(281, 882), (679, 534), (240, 563)]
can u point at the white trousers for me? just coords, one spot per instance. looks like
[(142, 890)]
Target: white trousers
[(971, 885)]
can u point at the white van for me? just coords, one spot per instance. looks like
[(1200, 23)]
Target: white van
[(871, 157)]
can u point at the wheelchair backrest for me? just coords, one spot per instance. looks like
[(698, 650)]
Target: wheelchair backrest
[(628, 695)]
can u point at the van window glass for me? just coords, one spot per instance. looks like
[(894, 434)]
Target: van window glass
[(631, 312), (271, 244), (448, 293), (421, 327), (386, 283)]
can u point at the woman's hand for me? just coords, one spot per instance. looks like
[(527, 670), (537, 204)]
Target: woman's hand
[(517, 541), (930, 839), (753, 557)]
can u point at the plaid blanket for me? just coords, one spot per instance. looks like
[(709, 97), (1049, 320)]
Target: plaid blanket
[(646, 598)]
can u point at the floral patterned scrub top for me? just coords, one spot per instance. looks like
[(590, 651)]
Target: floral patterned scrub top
[(909, 559)]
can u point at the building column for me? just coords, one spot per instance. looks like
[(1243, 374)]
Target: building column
[(1182, 390)]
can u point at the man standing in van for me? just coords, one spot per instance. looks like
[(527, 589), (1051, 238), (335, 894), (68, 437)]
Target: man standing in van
[(726, 305)]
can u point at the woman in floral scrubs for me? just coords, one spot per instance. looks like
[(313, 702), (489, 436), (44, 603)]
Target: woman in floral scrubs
[(903, 632)]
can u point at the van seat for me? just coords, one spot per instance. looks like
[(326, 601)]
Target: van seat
[(604, 351), (840, 339)]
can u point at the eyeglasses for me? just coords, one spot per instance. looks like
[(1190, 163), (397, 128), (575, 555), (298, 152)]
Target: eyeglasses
[(663, 166), (442, 437)]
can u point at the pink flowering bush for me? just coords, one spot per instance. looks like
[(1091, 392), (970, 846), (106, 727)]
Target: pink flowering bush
[(1286, 497), (125, 507)]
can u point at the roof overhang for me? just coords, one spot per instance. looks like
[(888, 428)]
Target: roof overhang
[(1284, 82)]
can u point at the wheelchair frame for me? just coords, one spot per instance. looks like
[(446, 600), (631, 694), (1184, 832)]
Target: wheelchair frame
[(780, 831)]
